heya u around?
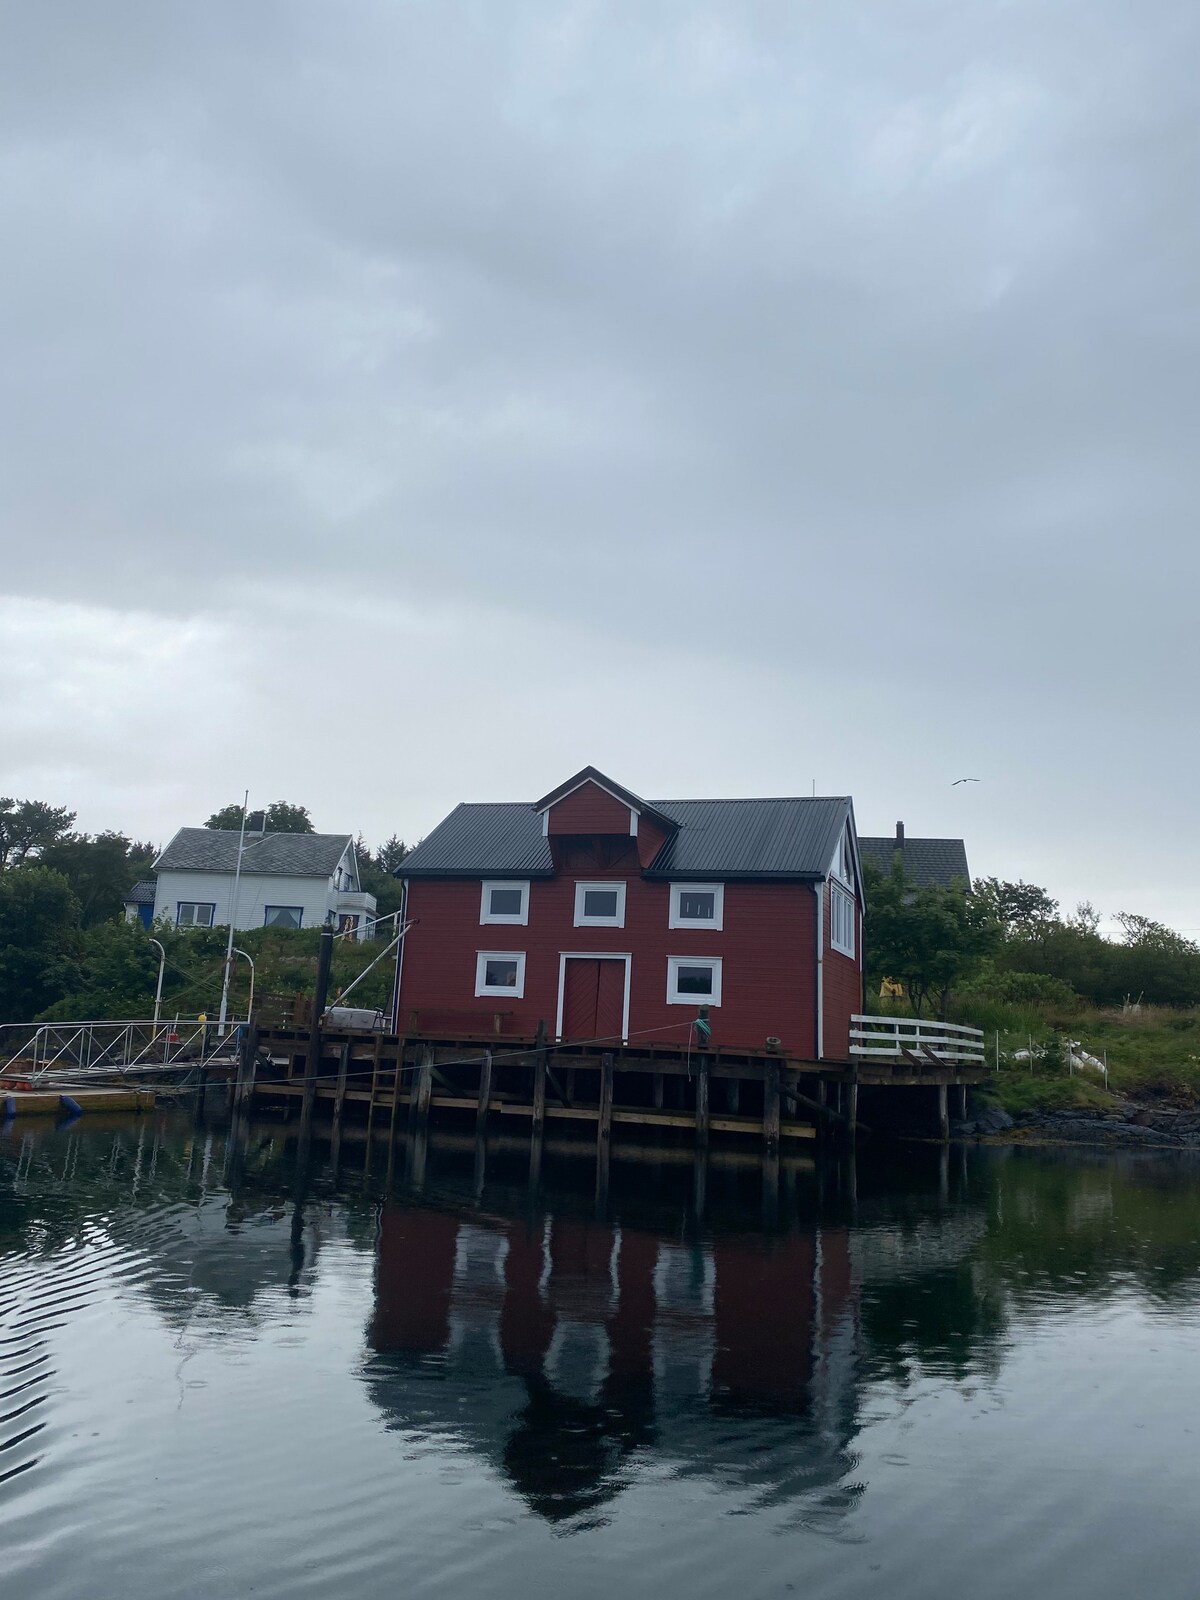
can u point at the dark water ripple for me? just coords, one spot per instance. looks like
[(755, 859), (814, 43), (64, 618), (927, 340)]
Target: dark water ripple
[(221, 1374)]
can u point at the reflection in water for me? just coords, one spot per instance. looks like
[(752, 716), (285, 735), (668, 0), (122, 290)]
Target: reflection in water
[(286, 1352)]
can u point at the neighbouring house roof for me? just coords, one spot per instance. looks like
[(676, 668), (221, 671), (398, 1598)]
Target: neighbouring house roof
[(786, 838), (142, 894), (942, 862), (289, 855)]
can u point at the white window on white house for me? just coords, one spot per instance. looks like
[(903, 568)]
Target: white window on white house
[(504, 900), (841, 920), (697, 905), (283, 916), (599, 905), (693, 980), (500, 972), (194, 914)]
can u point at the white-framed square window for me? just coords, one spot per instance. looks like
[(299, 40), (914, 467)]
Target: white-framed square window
[(505, 900), (194, 914), (282, 916), (693, 980), (600, 905), (697, 905), (841, 920), (500, 973)]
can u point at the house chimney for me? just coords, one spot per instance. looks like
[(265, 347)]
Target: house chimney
[(899, 836)]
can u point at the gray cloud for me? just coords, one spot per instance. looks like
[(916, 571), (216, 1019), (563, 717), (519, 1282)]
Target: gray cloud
[(843, 358)]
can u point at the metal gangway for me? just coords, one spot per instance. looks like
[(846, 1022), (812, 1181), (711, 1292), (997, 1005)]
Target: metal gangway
[(36, 1052)]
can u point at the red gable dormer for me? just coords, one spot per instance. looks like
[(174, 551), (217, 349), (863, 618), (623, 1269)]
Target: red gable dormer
[(590, 819)]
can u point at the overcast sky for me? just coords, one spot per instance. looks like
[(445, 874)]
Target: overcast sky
[(405, 403)]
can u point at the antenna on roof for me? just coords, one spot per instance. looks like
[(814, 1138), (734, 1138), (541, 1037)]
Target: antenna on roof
[(814, 788)]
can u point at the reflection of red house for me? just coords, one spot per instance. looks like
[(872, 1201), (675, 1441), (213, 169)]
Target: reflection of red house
[(609, 917), (762, 1311)]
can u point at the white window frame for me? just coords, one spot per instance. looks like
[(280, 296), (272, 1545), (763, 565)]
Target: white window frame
[(606, 887), (482, 957), (674, 998), (841, 901), (512, 918), (267, 909), (717, 890), (212, 913), (844, 860)]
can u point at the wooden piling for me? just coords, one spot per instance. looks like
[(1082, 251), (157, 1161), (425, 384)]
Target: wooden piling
[(852, 1110), (943, 1114), (312, 1061), (485, 1095), (960, 1095), (771, 1109), (539, 1093), (339, 1096), (733, 1093), (702, 1105), (424, 1087), (658, 1091), (604, 1131)]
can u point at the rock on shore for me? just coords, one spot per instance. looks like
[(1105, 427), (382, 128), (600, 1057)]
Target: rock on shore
[(1125, 1123)]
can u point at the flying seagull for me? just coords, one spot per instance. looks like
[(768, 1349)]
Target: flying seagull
[(957, 781)]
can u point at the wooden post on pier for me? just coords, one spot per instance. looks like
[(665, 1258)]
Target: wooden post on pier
[(312, 1061), (339, 1097), (943, 1114), (771, 1109), (424, 1090), (604, 1130), (485, 1095), (960, 1096), (702, 1106), (247, 1062), (733, 1093), (658, 1091), (539, 1086), (852, 1111)]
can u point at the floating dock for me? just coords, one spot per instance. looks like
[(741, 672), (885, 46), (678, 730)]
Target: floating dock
[(51, 1102)]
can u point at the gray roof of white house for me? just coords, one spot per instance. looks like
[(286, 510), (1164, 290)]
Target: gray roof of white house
[(285, 855), (926, 861), (142, 894), (778, 838)]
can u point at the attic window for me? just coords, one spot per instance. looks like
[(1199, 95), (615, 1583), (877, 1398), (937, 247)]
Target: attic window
[(697, 905), (504, 900), (845, 865)]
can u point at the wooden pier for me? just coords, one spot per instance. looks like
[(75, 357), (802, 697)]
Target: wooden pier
[(404, 1080)]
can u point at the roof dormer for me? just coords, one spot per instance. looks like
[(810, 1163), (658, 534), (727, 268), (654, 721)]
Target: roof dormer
[(589, 819)]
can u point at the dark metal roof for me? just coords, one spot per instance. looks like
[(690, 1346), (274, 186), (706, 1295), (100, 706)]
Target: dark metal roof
[(787, 838), (926, 861), (142, 894), (289, 855)]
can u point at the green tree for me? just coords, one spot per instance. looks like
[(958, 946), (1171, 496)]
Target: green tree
[(1016, 906), (116, 975), (282, 817), (29, 827), (101, 871), (39, 941), (928, 938)]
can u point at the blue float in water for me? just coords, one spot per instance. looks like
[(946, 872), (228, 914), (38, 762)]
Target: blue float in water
[(10, 1108), (71, 1107)]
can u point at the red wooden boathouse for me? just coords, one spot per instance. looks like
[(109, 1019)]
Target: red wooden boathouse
[(611, 918)]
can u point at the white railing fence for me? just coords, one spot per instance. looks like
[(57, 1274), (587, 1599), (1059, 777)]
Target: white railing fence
[(901, 1039), (100, 1049)]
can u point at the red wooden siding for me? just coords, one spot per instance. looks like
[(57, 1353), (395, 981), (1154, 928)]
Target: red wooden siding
[(767, 945), (650, 840), (843, 985), (589, 809)]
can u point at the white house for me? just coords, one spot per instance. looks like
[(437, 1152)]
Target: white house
[(288, 880)]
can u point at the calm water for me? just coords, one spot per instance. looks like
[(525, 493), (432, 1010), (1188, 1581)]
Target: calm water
[(221, 1375)]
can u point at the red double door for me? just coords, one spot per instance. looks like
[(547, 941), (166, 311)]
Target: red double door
[(593, 998)]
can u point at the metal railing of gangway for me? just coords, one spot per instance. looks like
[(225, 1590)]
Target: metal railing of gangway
[(101, 1048)]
